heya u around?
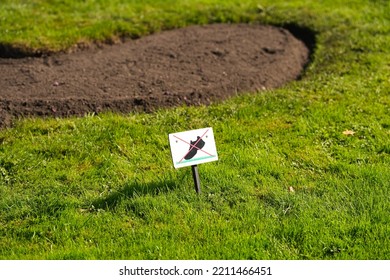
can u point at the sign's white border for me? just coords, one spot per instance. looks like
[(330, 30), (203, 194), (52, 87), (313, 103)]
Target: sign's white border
[(193, 147)]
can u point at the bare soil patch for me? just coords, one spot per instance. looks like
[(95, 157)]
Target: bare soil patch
[(194, 65)]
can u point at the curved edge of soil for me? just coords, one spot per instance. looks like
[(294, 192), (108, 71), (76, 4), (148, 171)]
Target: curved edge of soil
[(304, 34)]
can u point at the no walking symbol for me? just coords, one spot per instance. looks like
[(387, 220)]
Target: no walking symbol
[(193, 147)]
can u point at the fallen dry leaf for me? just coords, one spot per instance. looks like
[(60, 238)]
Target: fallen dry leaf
[(348, 132)]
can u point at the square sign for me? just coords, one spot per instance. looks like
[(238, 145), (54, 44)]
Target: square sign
[(193, 147)]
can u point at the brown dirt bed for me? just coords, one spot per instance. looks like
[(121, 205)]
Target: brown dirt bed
[(192, 66)]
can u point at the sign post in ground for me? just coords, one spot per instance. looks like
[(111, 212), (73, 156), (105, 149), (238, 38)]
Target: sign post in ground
[(195, 175), (193, 147)]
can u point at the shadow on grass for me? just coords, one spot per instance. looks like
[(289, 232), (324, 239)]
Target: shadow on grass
[(307, 36), (131, 191)]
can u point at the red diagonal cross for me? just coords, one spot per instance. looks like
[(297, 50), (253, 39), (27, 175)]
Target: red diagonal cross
[(193, 145)]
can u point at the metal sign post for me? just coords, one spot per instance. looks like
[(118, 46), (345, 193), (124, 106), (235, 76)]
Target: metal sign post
[(195, 174)]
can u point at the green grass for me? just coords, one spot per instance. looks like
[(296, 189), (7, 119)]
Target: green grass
[(57, 25), (103, 187)]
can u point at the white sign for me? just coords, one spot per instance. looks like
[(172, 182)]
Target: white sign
[(193, 147)]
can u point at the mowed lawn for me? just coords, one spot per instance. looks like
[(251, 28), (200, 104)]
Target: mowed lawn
[(303, 171)]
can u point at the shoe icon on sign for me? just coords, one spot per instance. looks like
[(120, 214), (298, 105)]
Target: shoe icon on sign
[(194, 147)]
